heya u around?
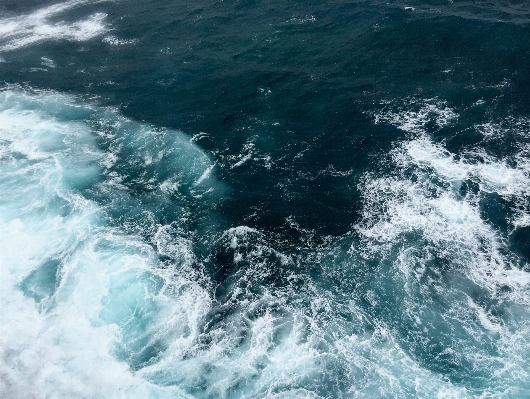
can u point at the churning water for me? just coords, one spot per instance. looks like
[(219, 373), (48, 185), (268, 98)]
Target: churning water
[(242, 199)]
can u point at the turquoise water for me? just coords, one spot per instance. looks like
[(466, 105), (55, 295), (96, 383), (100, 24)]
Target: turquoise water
[(264, 199)]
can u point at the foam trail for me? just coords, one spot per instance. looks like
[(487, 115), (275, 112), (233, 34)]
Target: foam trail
[(462, 310), (105, 294), (83, 304), (36, 27), (413, 116), (261, 342)]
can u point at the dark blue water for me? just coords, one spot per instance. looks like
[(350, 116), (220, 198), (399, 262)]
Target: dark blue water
[(283, 199)]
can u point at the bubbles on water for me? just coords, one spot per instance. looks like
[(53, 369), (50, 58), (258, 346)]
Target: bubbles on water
[(416, 115), (119, 281), (115, 41), (85, 303), (36, 27), (441, 223)]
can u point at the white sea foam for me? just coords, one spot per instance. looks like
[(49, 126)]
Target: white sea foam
[(493, 175), (250, 152), (397, 205), (79, 299), (512, 182), (89, 309), (414, 115), (428, 219), (268, 348), (115, 41), (48, 62), (36, 27), (300, 20)]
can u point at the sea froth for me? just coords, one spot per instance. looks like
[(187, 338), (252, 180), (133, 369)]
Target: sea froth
[(36, 27)]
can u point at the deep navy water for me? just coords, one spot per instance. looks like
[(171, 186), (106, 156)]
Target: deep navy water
[(264, 199)]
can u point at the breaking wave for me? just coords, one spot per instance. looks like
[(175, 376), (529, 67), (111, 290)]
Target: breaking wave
[(121, 279)]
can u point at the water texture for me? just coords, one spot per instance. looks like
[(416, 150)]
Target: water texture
[(283, 199)]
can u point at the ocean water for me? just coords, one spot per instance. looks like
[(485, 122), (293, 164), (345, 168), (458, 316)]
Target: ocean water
[(276, 199)]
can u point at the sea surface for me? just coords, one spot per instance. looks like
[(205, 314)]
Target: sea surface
[(264, 199)]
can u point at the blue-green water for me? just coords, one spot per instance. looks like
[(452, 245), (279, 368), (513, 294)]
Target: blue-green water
[(283, 199)]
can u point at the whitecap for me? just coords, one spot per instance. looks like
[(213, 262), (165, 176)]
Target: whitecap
[(115, 41), (83, 303), (413, 115), (36, 27)]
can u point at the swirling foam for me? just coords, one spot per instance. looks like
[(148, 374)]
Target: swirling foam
[(434, 223), (105, 292), (83, 304), (36, 27)]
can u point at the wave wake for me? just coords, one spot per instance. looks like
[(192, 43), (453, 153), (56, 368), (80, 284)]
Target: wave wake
[(25, 30), (121, 280)]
